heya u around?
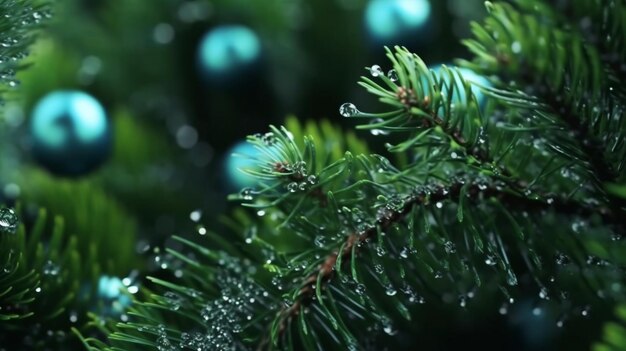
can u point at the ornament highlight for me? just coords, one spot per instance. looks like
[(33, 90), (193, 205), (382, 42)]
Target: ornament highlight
[(70, 132), (469, 76), (111, 293), (394, 21), (241, 156), (228, 51)]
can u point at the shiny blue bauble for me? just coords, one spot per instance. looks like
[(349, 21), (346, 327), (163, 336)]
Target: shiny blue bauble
[(228, 52), (469, 76), (391, 22), (111, 296), (70, 133), (241, 156)]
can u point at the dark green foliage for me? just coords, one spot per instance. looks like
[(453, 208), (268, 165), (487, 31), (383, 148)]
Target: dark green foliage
[(614, 337), (41, 281), (19, 18)]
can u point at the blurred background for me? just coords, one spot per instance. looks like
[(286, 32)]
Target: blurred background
[(177, 85), (182, 83)]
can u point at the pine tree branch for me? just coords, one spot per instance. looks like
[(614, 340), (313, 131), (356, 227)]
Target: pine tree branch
[(573, 17), (430, 195), (591, 146)]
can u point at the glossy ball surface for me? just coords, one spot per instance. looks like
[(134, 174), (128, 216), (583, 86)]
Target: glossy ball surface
[(70, 133), (391, 21), (227, 51)]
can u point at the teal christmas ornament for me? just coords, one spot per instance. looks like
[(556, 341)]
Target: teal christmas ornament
[(70, 133), (241, 156), (228, 52), (392, 22), (111, 294), (469, 76)]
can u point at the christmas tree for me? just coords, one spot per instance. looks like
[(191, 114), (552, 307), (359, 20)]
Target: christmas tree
[(450, 175)]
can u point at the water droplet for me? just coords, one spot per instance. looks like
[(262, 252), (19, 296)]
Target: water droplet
[(378, 268), (490, 260), (504, 309), (537, 311), (196, 215), (173, 300), (380, 251), (543, 293), (268, 139), (578, 225), (359, 289), (348, 110), (450, 247), (8, 221), (50, 268), (390, 290), (462, 300), (585, 311), (392, 75), (376, 71), (511, 279), (163, 343), (439, 204), (388, 327), (246, 194), (292, 187), (320, 241), (561, 259), (377, 131), (201, 230)]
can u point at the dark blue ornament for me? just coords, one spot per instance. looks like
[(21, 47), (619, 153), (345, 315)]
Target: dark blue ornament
[(111, 296), (228, 52), (241, 156), (391, 22), (70, 132)]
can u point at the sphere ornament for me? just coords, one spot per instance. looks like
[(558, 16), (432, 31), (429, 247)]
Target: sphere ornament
[(241, 156), (393, 22), (228, 52), (70, 133)]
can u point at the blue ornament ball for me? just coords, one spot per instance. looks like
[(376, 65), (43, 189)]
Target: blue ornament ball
[(241, 156), (392, 22), (111, 295), (70, 132), (227, 52), (469, 76)]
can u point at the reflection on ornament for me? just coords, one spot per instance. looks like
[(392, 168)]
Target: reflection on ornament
[(111, 294), (227, 51), (240, 157), (70, 133), (469, 76), (391, 21)]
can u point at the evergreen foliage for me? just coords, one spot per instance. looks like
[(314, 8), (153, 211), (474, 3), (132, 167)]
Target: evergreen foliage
[(476, 207), (340, 248)]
